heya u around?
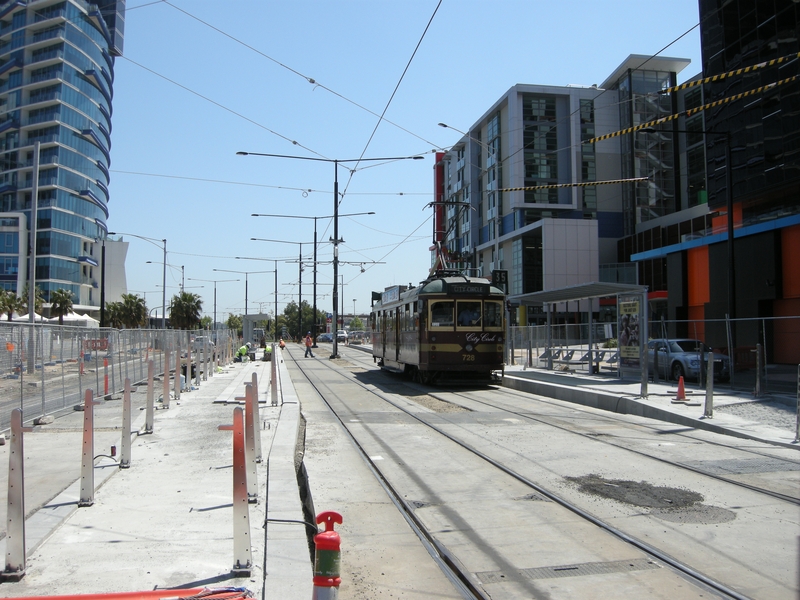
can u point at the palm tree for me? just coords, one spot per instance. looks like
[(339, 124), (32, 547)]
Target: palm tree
[(38, 299), (184, 311), (134, 310), (10, 303), (60, 304), (114, 314)]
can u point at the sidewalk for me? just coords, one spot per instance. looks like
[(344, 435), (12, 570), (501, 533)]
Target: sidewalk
[(167, 521), (623, 396)]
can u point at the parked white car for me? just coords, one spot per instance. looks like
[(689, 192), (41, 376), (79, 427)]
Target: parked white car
[(341, 336), (199, 342)]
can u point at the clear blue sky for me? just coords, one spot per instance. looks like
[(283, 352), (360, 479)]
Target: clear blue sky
[(203, 79)]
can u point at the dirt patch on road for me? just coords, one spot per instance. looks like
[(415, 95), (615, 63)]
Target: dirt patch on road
[(638, 493)]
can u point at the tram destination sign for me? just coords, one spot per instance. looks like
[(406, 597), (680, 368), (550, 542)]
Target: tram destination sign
[(468, 288)]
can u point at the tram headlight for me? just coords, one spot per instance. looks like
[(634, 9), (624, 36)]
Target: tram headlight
[(468, 347)]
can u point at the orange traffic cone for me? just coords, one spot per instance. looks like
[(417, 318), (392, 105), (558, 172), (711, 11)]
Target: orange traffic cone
[(681, 397)]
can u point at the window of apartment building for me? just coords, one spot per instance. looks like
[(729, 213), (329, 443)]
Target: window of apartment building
[(539, 108)]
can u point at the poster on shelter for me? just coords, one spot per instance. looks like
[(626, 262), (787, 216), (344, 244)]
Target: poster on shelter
[(628, 332)]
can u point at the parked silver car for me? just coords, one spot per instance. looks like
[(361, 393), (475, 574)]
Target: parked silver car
[(685, 357)]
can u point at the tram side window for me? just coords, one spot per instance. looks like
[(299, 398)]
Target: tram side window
[(442, 314), (493, 314), (469, 313)]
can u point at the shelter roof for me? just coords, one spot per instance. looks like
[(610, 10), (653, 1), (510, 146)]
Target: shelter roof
[(581, 291)]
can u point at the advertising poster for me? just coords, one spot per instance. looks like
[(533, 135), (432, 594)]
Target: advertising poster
[(628, 332)]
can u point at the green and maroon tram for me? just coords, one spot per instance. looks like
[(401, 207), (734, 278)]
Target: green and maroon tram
[(450, 328)]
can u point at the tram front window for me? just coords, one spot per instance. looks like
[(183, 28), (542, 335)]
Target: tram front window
[(441, 314), (493, 314), (469, 314)]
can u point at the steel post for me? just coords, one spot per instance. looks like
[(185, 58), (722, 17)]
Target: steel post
[(256, 419), (708, 412), (165, 381), (15, 512), (242, 561), (125, 442), (87, 459), (148, 422)]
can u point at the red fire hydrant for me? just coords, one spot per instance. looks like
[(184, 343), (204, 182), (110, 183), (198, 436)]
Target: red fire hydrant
[(327, 559)]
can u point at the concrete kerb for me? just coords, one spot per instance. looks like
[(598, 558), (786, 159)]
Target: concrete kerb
[(629, 404), (288, 570)]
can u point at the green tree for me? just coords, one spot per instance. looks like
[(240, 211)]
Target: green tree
[(38, 299), (10, 303), (184, 311), (60, 304), (356, 324), (289, 319), (134, 311), (205, 322), (114, 315), (234, 323)]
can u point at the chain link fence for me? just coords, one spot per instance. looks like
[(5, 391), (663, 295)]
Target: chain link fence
[(45, 368), (766, 351)]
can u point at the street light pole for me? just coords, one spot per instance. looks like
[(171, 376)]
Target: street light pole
[(215, 282), (163, 274), (300, 294), (335, 240), (314, 326)]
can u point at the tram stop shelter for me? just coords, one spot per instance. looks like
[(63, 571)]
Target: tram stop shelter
[(631, 297)]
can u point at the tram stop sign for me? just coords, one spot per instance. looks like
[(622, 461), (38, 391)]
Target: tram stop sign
[(500, 279)]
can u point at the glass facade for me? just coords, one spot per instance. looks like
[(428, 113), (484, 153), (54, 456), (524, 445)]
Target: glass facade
[(646, 154), (764, 128), (56, 73)]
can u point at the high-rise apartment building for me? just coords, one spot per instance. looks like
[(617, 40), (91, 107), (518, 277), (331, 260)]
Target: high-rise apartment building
[(56, 88)]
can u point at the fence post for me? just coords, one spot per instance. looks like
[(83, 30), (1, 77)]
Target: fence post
[(797, 423), (87, 461), (256, 419), (125, 457), (165, 382), (757, 391), (148, 421), (241, 508), (708, 412), (15, 533)]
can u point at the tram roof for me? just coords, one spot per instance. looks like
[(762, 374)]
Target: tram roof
[(581, 291)]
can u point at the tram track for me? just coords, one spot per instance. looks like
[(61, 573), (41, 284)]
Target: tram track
[(440, 552), (557, 422)]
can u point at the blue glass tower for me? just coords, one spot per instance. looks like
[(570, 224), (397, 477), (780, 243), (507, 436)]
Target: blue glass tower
[(56, 88)]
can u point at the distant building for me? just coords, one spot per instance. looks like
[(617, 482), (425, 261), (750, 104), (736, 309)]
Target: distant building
[(56, 79), (556, 235)]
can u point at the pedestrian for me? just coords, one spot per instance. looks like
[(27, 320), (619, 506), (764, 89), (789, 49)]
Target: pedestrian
[(309, 343), (282, 344)]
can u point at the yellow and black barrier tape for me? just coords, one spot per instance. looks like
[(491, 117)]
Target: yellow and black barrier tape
[(691, 111), (581, 184), (721, 76)]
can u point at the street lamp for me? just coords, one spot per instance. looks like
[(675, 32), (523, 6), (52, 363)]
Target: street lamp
[(150, 262), (300, 282), (335, 210), (275, 330), (314, 324), (164, 272), (245, 273), (215, 282), (729, 208)]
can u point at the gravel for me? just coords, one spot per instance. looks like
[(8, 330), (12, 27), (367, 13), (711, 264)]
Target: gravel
[(765, 412)]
